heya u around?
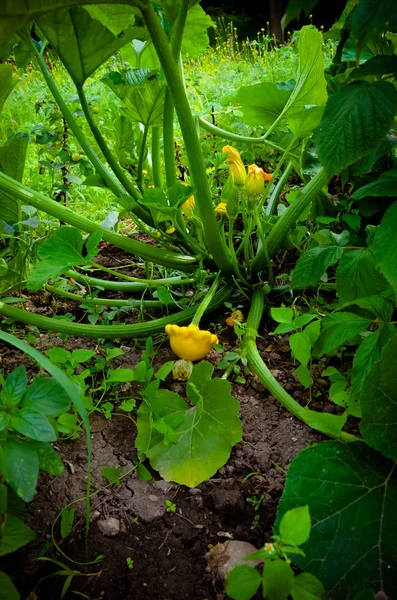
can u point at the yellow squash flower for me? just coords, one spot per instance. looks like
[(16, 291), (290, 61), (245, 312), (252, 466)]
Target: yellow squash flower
[(235, 318), (170, 230), (190, 204), (255, 183), (236, 166), (190, 343), (221, 209)]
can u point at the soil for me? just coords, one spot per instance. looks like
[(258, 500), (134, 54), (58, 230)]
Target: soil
[(149, 552)]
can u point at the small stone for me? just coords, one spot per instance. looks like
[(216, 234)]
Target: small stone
[(109, 527), (153, 498), (294, 439), (195, 491)]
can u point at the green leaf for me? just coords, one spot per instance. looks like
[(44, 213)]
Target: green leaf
[(82, 355), (304, 375), (282, 315), (375, 46), (304, 122), (377, 305), (307, 587), (312, 265), (7, 83), (14, 387), (5, 418), (355, 122), (368, 354), (115, 17), (384, 186), (33, 425), (12, 163), (338, 328), (242, 582), (67, 519), (20, 468), (8, 591), (14, 534), (47, 396), (378, 65), (294, 10), (351, 491), (372, 17), (82, 43), (278, 578), (295, 526), (63, 249), (262, 103), (379, 403), (301, 347), (112, 474), (385, 246), (190, 444), (49, 459), (195, 37), (120, 375), (358, 276), (165, 370), (59, 355)]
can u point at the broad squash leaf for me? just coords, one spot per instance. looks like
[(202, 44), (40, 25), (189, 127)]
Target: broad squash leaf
[(115, 17), (262, 103), (355, 122), (82, 43), (188, 444), (63, 249), (379, 403), (195, 37), (351, 491)]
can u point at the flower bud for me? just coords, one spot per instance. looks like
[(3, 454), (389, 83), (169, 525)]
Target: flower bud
[(255, 183), (221, 209), (236, 166), (182, 369)]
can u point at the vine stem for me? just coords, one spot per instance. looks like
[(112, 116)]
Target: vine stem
[(140, 285), (156, 158), (235, 137), (325, 423), (142, 154), (207, 301), (215, 242), (274, 196), (106, 301)]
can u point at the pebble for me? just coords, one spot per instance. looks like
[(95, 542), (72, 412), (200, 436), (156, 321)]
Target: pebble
[(109, 527)]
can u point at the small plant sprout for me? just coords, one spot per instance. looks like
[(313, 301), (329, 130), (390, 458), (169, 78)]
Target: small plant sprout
[(130, 562), (171, 507)]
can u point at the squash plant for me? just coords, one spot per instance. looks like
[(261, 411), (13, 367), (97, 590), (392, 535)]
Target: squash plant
[(325, 123)]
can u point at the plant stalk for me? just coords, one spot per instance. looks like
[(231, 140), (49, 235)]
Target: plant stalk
[(156, 158)]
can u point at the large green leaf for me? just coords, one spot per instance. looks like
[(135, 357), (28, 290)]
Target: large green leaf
[(368, 354), (385, 185), (82, 43), (49, 459), (189, 444), (355, 122), (115, 17), (372, 17), (358, 276), (20, 467), (338, 328), (351, 491), (379, 403), (14, 534), (378, 65), (243, 582), (8, 591), (7, 83), (63, 249), (278, 578), (195, 37), (262, 103), (47, 396), (12, 163), (385, 246), (33, 425), (312, 265)]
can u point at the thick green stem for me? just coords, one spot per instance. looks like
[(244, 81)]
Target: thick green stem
[(114, 165), (325, 423), (207, 301), (289, 218), (168, 140), (234, 137), (215, 242), (136, 330), (142, 155), (272, 203), (140, 285), (157, 255), (156, 158), (107, 301)]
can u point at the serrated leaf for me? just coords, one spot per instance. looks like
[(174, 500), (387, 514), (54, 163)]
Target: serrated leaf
[(355, 122), (385, 246), (358, 275), (278, 578), (338, 328), (295, 526), (312, 265), (47, 396), (351, 491), (377, 305), (82, 43), (190, 444), (20, 468), (378, 400), (385, 185), (242, 582), (372, 17), (33, 425), (14, 534), (378, 65)]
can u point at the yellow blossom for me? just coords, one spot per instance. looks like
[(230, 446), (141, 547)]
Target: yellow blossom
[(235, 318), (170, 230), (189, 205), (255, 183), (190, 343), (158, 234), (236, 166), (221, 208)]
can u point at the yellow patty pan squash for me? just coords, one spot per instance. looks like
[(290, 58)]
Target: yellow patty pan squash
[(190, 343)]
